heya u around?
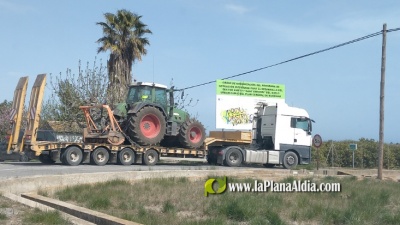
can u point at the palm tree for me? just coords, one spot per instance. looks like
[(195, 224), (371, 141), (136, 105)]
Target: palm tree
[(123, 36)]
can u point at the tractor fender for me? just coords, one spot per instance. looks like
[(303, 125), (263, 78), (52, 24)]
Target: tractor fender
[(137, 107)]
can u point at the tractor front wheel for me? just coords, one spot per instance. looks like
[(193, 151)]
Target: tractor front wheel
[(192, 134)]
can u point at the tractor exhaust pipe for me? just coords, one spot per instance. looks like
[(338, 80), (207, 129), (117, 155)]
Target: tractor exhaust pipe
[(171, 102)]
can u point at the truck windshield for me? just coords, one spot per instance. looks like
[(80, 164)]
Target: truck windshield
[(302, 123)]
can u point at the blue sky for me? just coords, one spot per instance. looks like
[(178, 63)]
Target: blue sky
[(197, 41)]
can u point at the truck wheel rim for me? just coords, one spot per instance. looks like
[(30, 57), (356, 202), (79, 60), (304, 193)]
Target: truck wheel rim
[(195, 135), (150, 126), (233, 157), (290, 160)]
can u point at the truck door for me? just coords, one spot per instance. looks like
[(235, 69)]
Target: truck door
[(302, 131)]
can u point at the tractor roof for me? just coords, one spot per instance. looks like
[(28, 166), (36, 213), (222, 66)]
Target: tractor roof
[(148, 84)]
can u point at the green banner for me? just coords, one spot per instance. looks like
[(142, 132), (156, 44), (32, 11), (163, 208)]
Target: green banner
[(250, 89)]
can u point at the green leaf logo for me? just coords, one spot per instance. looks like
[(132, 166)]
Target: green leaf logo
[(208, 186)]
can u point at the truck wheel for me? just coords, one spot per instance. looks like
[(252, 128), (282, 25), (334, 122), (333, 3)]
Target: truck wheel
[(233, 157), (99, 156), (192, 134), (290, 160), (147, 127), (73, 156), (46, 159), (126, 157), (150, 157)]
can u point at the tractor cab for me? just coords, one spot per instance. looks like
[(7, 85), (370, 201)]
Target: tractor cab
[(147, 92)]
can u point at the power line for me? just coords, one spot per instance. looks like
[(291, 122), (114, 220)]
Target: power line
[(296, 58)]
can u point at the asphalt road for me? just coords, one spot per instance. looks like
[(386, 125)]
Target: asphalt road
[(30, 169)]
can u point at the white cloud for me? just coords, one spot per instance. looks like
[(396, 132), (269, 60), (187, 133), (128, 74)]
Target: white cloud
[(10, 6), (239, 9)]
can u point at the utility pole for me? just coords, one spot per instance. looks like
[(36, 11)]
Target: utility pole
[(382, 104)]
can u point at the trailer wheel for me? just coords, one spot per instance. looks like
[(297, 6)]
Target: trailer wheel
[(150, 157), (62, 157), (99, 156), (126, 157), (290, 160), (23, 158), (233, 157), (73, 156), (46, 159)]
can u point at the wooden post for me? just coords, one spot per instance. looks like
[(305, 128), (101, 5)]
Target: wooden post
[(382, 105)]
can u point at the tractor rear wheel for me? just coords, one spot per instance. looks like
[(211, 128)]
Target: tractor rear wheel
[(192, 134), (147, 127)]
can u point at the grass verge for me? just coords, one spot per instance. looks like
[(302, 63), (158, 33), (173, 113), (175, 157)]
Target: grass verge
[(45, 218), (180, 201)]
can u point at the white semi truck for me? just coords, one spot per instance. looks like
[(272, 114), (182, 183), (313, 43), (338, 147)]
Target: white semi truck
[(281, 135)]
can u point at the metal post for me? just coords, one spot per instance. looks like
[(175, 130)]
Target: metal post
[(332, 152), (353, 159), (382, 104)]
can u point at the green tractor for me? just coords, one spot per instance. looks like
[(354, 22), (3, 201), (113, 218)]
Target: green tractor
[(149, 116)]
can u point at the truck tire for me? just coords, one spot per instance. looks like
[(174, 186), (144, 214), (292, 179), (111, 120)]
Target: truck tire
[(192, 134), (233, 157), (46, 159), (147, 127), (126, 157), (150, 157), (73, 156), (99, 156), (290, 160)]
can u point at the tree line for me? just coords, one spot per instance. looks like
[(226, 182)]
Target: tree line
[(338, 154)]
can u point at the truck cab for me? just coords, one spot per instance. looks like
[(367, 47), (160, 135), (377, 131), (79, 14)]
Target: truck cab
[(281, 135)]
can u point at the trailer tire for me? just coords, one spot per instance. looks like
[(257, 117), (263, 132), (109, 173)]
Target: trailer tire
[(46, 159), (23, 158), (150, 157), (62, 157), (290, 160), (233, 157), (126, 157), (99, 156), (73, 156)]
